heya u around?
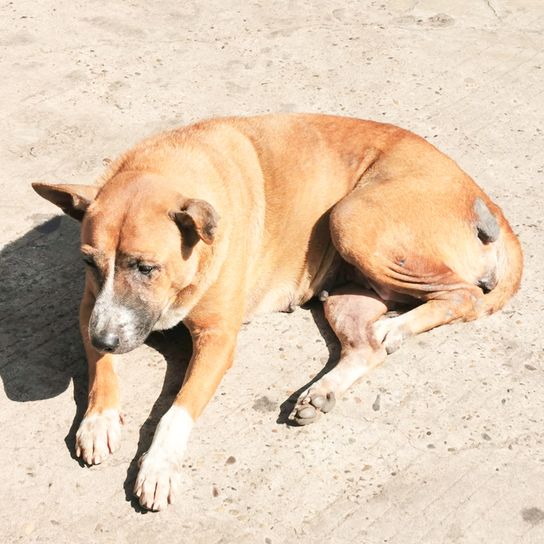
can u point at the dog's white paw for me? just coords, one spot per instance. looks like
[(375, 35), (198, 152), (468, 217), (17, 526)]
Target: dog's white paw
[(160, 467), (98, 435), (157, 481)]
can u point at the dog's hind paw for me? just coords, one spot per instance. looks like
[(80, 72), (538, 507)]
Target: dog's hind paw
[(99, 434), (311, 404)]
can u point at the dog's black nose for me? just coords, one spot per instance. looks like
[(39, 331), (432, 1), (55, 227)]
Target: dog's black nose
[(106, 342)]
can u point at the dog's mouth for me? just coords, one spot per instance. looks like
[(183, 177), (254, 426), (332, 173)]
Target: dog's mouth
[(111, 342)]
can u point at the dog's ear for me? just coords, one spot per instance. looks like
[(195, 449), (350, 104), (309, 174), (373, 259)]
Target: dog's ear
[(73, 200), (197, 220)]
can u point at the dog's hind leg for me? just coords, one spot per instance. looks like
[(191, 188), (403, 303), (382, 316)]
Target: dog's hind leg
[(351, 312), (457, 305)]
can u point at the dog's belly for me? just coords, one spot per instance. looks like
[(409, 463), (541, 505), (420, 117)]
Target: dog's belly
[(322, 271), (282, 298)]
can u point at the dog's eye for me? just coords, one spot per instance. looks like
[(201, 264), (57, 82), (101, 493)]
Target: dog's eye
[(145, 269)]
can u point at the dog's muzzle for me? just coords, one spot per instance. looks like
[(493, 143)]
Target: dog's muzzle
[(118, 328)]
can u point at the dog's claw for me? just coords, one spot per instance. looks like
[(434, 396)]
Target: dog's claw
[(156, 483), (305, 421)]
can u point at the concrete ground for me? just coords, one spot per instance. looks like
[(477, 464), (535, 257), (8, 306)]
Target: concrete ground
[(443, 443)]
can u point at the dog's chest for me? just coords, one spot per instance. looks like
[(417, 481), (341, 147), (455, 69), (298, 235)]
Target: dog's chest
[(170, 318)]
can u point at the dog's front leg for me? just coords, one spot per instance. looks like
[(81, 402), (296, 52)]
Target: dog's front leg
[(160, 467), (100, 430)]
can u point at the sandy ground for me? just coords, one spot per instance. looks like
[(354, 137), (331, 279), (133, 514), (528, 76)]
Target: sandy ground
[(443, 443)]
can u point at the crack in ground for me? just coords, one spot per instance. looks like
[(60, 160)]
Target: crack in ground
[(492, 8)]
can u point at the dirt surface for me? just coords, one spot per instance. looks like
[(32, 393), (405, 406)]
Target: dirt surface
[(443, 443)]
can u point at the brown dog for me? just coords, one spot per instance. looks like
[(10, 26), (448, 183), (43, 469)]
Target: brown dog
[(216, 222)]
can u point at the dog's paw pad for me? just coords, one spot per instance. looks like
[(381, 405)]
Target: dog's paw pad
[(305, 415), (325, 403), (311, 405), (98, 435)]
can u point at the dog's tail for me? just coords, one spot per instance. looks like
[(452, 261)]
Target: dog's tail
[(509, 265)]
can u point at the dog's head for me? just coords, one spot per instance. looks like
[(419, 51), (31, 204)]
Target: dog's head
[(142, 243)]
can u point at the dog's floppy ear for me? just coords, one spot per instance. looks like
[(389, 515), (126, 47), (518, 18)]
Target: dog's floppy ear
[(73, 200), (197, 219)]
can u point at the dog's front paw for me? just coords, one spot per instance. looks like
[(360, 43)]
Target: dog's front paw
[(157, 481), (160, 467), (311, 403), (98, 435)]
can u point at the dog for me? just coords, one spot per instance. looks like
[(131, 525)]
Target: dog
[(216, 222)]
